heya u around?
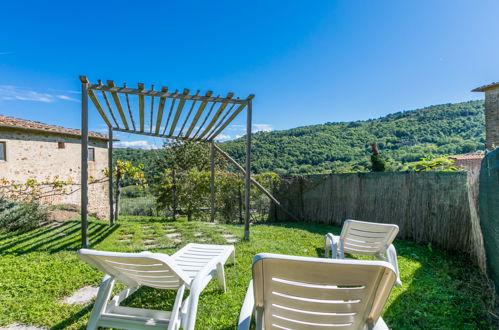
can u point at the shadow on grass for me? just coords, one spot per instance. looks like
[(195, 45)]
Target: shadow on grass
[(52, 239), (73, 319)]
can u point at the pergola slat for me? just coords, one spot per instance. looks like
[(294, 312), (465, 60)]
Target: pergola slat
[(178, 112), (161, 107), (209, 136), (152, 111), (231, 118), (110, 109), (117, 101), (97, 105), (169, 114), (217, 115), (198, 113), (205, 119), (188, 116), (130, 110), (141, 107)]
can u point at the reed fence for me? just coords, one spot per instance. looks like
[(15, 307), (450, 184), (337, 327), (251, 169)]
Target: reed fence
[(431, 207)]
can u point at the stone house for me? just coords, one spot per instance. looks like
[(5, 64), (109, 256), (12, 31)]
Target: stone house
[(471, 161), (33, 150)]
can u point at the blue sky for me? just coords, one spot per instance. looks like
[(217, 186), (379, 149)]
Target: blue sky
[(307, 62)]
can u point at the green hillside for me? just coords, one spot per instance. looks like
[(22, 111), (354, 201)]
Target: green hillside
[(344, 147)]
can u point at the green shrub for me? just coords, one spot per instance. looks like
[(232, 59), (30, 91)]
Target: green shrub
[(145, 206), (20, 216)]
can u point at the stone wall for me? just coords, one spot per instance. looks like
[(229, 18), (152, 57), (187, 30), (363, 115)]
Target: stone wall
[(492, 118), (39, 155)]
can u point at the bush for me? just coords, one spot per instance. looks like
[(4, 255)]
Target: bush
[(20, 216)]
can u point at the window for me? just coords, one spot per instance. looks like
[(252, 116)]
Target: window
[(61, 145), (91, 154), (3, 151)]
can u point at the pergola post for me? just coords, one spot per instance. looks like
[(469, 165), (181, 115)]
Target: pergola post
[(212, 185), (84, 163), (110, 168), (247, 176)]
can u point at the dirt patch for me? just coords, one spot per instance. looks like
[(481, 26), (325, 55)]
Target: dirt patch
[(62, 215)]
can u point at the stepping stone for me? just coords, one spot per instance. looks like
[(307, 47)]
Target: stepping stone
[(173, 235), (228, 236), (198, 234), (151, 246), (19, 326), (82, 296), (170, 230), (125, 240), (231, 240), (177, 240), (149, 241)]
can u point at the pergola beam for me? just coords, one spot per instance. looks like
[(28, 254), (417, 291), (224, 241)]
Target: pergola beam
[(164, 94)]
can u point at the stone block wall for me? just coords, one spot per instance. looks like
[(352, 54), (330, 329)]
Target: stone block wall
[(41, 156)]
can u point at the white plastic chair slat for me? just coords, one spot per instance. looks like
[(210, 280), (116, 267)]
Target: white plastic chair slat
[(289, 323), (375, 243), (311, 316), (319, 293), (307, 305)]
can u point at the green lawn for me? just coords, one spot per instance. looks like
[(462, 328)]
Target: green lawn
[(39, 268)]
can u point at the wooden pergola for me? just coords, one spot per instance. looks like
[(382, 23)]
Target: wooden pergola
[(164, 114)]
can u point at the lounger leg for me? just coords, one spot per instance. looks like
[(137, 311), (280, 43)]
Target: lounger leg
[(327, 246), (221, 277), (232, 257), (259, 318), (103, 296)]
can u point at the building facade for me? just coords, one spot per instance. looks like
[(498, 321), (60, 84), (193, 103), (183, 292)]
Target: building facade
[(47, 153)]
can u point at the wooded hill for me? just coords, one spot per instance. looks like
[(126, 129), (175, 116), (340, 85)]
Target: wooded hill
[(402, 137)]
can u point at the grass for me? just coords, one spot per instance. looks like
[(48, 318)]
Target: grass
[(39, 268)]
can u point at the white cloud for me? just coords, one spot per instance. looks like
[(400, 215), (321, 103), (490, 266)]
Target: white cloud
[(140, 144), (15, 93), (222, 137), (261, 128), (255, 128), (67, 98), (236, 127)]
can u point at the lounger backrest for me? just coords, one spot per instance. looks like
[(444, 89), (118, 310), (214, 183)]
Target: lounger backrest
[(367, 238), (315, 293), (155, 270)]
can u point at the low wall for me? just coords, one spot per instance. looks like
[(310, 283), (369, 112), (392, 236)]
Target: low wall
[(436, 207)]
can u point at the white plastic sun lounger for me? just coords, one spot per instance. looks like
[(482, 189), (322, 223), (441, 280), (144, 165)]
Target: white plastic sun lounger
[(365, 238), (289, 292), (191, 268)]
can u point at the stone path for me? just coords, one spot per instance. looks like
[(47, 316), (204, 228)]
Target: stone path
[(230, 238), (18, 326), (82, 296)]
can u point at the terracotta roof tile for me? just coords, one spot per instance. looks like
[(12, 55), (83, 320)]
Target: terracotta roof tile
[(7, 121), (467, 156)]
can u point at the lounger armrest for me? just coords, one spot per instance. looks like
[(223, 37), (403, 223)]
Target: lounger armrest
[(332, 244), (391, 255), (247, 309)]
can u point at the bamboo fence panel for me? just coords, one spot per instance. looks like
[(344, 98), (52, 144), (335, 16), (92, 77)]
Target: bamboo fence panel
[(432, 207)]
